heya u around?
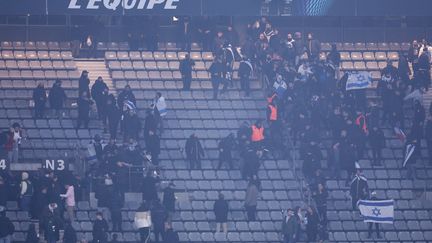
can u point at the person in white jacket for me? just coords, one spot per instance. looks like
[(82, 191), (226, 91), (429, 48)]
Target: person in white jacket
[(69, 200), (160, 109), (143, 222)]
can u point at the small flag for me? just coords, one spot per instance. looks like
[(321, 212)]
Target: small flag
[(129, 105), (409, 150), (359, 80), (377, 211)]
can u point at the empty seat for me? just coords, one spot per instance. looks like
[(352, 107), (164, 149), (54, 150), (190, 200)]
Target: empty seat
[(383, 46), (372, 65), (55, 55), (43, 55), (368, 56), (135, 55), (110, 55), (347, 66), (345, 56), (195, 55), (123, 55), (147, 55), (380, 56), (19, 55), (171, 56), (159, 55), (372, 46), (41, 45), (348, 46), (356, 56)]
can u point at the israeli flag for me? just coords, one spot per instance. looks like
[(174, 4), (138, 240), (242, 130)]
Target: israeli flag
[(359, 80), (377, 211)]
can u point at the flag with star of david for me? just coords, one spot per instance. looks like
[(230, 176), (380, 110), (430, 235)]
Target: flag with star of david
[(381, 211), (359, 80)]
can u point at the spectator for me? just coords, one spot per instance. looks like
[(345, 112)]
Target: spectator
[(186, 67), (143, 222), (299, 47), (206, 32), (113, 115), (13, 144), (149, 187), (27, 190), (6, 227), (83, 84), (3, 192), (84, 104), (70, 235), (194, 151), (320, 196), (377, 143), (312, 222), (69, 196), (252, 162), (51, 223), (158, 218), (251, 200), (216, 72), (126, 95), (99, 93), (131, 125), (115, 206), (57, 98), (257, 134), (150, 124), (169, 199), (334, 58), (290, 227), (39, 99), (170, 236), (220, 209), (373, 197), (245, 71), (232, 36), (89, 44), (100, 229), (428, 137), (359, 189), (153, 147), (32, 236), (39, 202), (185, 31), (313, 48), (226, 145), (160, 110), (218, 42)]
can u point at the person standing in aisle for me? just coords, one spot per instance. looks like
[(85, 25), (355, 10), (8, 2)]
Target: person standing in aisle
[(186, 66)]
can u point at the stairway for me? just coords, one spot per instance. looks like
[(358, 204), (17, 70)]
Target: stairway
[(96, 68)]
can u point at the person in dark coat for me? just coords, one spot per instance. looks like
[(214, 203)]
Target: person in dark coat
[(194, 151), (99, 93), (158, 216), (428, 137), (226, 145), (70, 235), (39, 202), (51, 223), (32, 236), (312, 224), (185, 33), (186, 67), (252, 163), (245, 72), (221, 209), (169, 200), (83, 84), (113, 114), (100, 229), (115, 206), (39, 99), (57, 98), (3, 192), (84, 104), (313, 47), (377, 143), (125, 95), (131, 125), (6, 227), (150, 124), (320, 196), (290, 227), (170, 236), (149, 187), (359, 189), (153, 147), (216, 72), (206, 32), (312, 157)]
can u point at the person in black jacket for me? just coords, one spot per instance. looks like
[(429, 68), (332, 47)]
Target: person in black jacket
[(83, 84), (51, 223), (99, 93), (185, 33), (244, 72), (226, 145), (131, 125), (313, 47), (359, 189), (125, 95), (216, 71), (312, 222), (377, 143), (39, 98), (169, 200), (70, 235), (3, 192), (158, 216), (220, 209), (186, 66), (84, 104), (32, 236), (320, 196), (194, 151), (100, 229), (57, 98), (153, 147), (115, 206), (149, 187), (6, 226), (113, 114), (428, 137)]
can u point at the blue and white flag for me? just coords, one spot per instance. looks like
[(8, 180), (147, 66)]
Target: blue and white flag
[(129, 105), (359, 80), (377, 211)]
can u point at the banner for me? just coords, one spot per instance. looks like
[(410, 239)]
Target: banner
[(409, 150), (359, 80), (377, 211)]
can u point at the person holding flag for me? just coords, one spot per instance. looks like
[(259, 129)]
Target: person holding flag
[(280, 87), (359, 188), (373, 197)]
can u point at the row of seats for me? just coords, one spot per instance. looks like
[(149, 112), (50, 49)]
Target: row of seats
[(369, 56), (35, 45), (36, 55), (158, 65), (36, 64), (372, 46), (39, 74), (155, 75), (364, 66), (29, 84), (157, 55)]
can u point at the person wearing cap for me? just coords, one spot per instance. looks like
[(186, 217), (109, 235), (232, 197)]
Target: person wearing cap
[(359, 189), (39, 99), (221, 209), (6, 227), (69, 196), (26, 192)]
